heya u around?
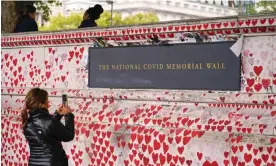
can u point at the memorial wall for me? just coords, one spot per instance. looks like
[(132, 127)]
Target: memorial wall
[(176, 124)]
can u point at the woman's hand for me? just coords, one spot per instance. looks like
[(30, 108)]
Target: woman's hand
[(60, 110), (63, 110), (66, 110)]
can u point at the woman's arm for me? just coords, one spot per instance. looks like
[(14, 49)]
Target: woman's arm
[(64, 133)]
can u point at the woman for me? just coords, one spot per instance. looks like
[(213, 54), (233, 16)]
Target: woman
[(45, 132), (26, 20), (90, 16)]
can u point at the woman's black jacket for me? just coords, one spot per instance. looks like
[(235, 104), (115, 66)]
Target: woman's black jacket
[(44, 133), (88, 23), (27, 24)]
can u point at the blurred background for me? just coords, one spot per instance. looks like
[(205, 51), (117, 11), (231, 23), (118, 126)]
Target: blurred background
[(67, 14)]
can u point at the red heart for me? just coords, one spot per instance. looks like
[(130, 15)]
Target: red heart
[(250, 82), (262, 29), (232, 23), (48, 74), (270, 164), (263, 21), (162, 159), (159, 30), (234, 160), (255, 151), (272, 29), (247, 157), (218, 24), (6, 56), (258, 70), (154, 157), (190, 122), (161, 137), (241, 163), (15, 73), (226, 162), (257, 162), (140, 138), (258, 87), (254, 22), (271, 21), (207, 163), (126, 162), (146, 161), (199, 155), (71, 54), (247, 22), (63, 78), (14, 62), (240, 22), (189, 162), (265, 157), (227, 31), (171, 139), (236, 30), (175, 159), (182, 160), (254, 30), (165, 148), (271, 101), (225, 24), (156, 145), (180, 149), (266, 83)]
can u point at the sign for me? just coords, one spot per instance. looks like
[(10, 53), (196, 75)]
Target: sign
[(206, 66)]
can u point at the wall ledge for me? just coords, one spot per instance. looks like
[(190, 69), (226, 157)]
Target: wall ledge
[(164, 30)]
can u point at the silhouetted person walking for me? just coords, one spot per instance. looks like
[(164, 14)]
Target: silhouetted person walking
[(26, 20), (90, 16)]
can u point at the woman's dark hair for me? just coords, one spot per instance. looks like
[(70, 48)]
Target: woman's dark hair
[(34, 100), (95, 12)]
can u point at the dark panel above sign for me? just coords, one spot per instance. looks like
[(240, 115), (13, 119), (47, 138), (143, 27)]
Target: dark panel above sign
[(210, 66)]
